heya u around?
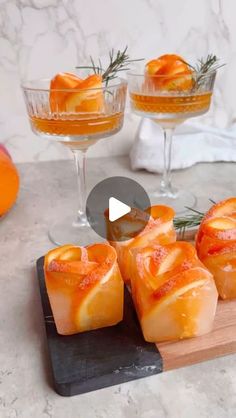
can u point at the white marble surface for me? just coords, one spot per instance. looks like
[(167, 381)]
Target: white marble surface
[(41, 37), (205, 390)]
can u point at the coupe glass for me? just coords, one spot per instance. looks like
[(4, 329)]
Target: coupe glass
[(169, 108), (78, 131)]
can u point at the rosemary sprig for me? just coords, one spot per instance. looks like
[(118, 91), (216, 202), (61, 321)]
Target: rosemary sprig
[(191, 220), (204, 67), (117, 62)]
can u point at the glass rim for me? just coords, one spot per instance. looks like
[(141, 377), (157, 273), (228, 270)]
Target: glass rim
[(119, 82), (159, 76)]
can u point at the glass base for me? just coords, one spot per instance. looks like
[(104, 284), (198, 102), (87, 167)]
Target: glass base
[(178, 199), (70, 232)]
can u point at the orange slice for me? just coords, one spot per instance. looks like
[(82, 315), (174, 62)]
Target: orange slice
[(71, 94), (89, 98), (224, 208), (104, 301), (216, 245), (76, 267), (60, 86), (56, 253), (170, 72), (176, 256)]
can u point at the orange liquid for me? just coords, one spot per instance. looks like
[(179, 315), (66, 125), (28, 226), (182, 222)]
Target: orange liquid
[(78, 126), (78, 132), (189, 104)]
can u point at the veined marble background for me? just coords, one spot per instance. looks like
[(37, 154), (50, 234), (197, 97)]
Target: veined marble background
[(39, 38)]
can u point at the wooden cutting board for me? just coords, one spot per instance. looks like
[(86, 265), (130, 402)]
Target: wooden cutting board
[(114, 355), (221, 341)]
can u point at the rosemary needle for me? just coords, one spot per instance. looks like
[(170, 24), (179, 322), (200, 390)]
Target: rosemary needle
[(204, 67), (118, 62), (191, 220)]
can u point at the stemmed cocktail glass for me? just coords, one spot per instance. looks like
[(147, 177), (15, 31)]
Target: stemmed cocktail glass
[(168, 108), (78, 130)]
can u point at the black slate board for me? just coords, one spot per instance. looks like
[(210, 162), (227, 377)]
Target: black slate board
[(101, 358)]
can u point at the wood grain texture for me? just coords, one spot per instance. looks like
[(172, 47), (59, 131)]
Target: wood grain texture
[(221, 341)]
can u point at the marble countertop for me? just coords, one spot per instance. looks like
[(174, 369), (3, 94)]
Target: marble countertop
[(48, 194)]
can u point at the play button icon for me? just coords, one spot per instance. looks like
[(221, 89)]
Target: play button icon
[(117, 209), (118, 202)]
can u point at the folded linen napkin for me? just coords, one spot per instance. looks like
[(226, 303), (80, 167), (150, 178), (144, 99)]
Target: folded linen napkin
[(193, 142)]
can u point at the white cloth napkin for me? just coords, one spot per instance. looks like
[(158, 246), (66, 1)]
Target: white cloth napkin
[(193, 142)]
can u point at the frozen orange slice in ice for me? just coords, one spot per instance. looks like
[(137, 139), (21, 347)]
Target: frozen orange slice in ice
[(71, 94), (159, 229), (216, 245), (170, 72), (84, 286), (174, 294)]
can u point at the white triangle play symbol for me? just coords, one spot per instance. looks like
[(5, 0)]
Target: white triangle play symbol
[(117, 209)]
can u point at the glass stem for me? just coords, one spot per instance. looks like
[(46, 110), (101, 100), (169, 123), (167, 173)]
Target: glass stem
[(80, 162), (166, 187)]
